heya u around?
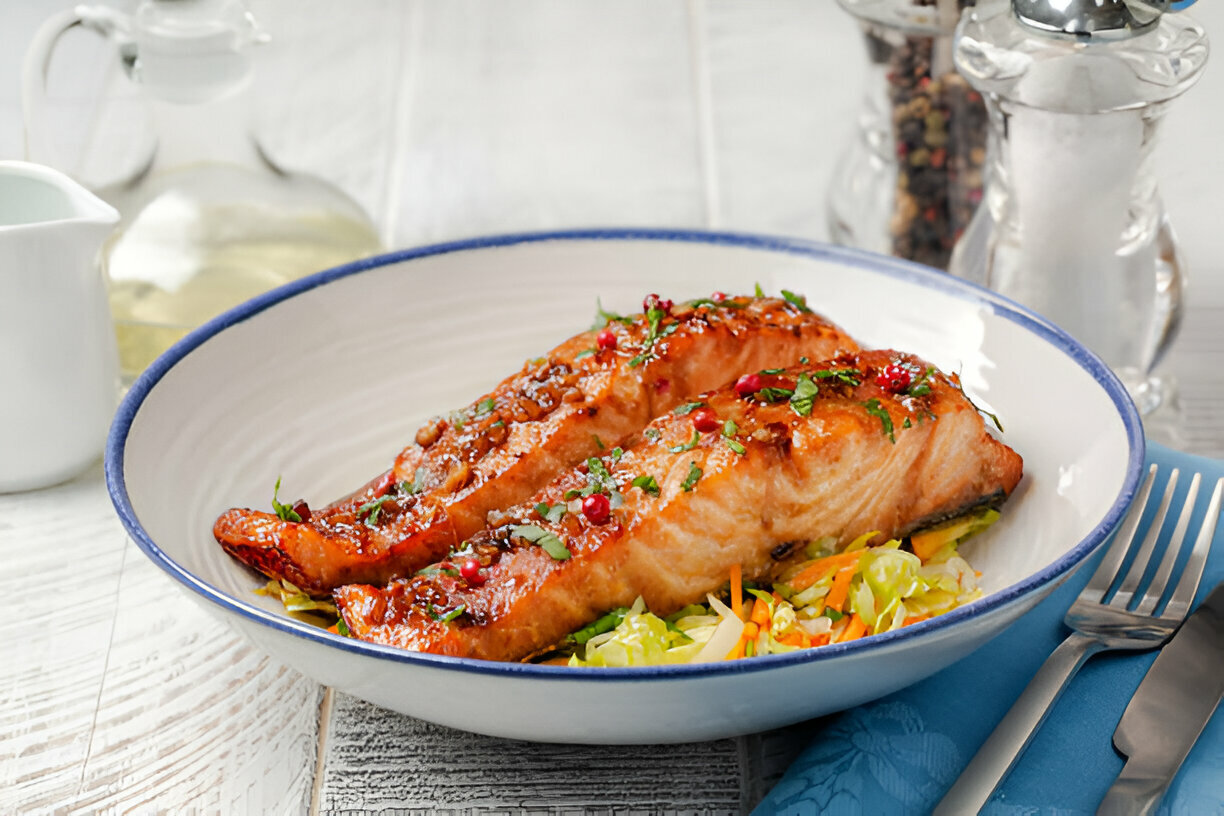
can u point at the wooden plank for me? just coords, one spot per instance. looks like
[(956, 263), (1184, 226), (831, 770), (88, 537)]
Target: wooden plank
[(124, 694), (384, 763), (543, 114)]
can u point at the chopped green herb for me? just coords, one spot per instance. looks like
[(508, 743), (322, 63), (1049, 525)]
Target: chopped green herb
[(805, 395), (906, 423), (687, 408), (846, 376), (603, 318), (772, 394), (485, 406), (726, 304), (832, 614), (284, 511), (501, 423), (372, 508), (873, 407), (604, 624), (537, 360), (803, 361), (652, 434), (616, 455), (647, 484), (414, 486), (585, 353), (922, 386), (798, 301), (734, 445), (553, 513), (758, 291), (342, 628), (453, 573), (447, 617), (690, 481), (770, 371), (960, 387), (549, 542), (730, 428), (687, 446), (598, 442), (571, 494), (638, 359)]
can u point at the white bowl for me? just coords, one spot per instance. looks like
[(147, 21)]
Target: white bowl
[(323, 381)]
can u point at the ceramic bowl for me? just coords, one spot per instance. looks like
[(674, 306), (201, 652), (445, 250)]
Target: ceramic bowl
[(322, 381)]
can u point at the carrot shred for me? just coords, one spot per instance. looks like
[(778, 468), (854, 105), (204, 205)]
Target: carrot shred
[(914, 619), (797, 638), (737, 591), (822, 567), (760, 613), (334, 628), (836, 599), (855, 630), (749, 634)]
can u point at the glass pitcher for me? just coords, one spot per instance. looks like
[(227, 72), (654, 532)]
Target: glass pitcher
[(208, 220)]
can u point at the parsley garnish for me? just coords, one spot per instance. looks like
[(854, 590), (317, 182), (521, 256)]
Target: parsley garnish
[(803, 360), (616, 455), (485, 406), (770, 371), (448, 617), (453, 573), (690, 481), (342, 629), (798, 301), (805, 395), (960, 387), (714, 304), (549, 542), (284, 511), (585, 353), (687, 446), (372, 508), (906, 423), (647, 484), (873, 407), (758, 291), (603, 318), (922, 386), (687, 408), (598, 442), (553, 513), (730, 429), (654, 318), (772, 394), (652, 434), (417, 483), (846, 376)]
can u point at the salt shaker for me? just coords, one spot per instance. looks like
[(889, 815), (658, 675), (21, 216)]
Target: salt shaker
[(1072, 223)]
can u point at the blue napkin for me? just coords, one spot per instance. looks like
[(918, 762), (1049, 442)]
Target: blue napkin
[(900, 754)]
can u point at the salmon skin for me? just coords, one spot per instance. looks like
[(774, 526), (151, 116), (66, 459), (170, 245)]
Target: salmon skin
[(583, 397), (839, 448)]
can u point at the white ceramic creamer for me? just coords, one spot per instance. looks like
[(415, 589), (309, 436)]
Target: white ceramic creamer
[(58, 363)]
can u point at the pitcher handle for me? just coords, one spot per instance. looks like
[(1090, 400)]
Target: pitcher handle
[(107, 22)]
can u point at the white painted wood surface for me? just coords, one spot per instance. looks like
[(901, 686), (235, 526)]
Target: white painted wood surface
[(446, 120)]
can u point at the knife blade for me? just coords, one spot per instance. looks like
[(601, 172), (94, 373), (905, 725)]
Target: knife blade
[(1169, 710)]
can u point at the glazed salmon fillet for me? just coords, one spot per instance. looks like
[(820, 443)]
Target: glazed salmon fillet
[(839, 448), (588, 394)]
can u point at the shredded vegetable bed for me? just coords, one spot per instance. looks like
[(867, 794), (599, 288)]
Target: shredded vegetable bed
[(832, 597)]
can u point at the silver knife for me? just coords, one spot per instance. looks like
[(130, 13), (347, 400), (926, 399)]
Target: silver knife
[(1169, 710)]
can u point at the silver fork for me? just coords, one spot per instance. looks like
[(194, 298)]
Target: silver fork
[(1097, 626)]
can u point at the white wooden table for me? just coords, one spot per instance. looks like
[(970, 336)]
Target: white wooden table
[(469, 116)]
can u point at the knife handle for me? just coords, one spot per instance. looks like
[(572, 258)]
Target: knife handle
[(1133, 793), (1011, 736)]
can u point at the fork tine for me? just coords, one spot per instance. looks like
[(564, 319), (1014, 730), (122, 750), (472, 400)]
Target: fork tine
[(1122, 598), (1160, 580), (1183, 596), (1114, 556)]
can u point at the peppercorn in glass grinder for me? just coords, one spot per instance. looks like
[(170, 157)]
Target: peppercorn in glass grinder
[(1073, 225), (911, 176), (208, 219)]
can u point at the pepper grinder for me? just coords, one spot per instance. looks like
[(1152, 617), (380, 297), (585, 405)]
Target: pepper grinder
[(1072, 224)]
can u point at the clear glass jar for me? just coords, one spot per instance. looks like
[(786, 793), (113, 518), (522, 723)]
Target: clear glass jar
[(1073, 224), (911, 177)]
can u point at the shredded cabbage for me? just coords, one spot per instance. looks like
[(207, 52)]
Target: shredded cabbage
[(811, 604)]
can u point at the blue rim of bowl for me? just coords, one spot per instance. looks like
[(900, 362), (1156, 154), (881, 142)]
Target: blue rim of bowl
[(893, 267)]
